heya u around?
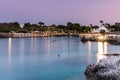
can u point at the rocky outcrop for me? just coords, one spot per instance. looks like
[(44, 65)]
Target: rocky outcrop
[(105, 69)]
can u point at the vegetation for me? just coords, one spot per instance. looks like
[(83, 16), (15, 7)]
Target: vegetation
[(115, 27), (68, 28), (8, 27)]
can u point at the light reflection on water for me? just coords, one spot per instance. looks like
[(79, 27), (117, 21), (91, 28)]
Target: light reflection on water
[(9, 49), (102, 49), (89, 52)]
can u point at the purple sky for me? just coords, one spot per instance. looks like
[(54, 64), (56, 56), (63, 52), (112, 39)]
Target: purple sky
[(60, 11)]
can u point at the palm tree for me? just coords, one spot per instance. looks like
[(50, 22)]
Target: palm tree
[(91, 27), (102, 22), (41, 23)]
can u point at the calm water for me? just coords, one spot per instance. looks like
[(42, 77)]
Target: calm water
[(37, 59)]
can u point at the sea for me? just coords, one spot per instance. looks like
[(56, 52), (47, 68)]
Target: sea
[(50, 58)]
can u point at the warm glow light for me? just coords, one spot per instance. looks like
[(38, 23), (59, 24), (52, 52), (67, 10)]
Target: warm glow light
[(89, 52), (102, 49), (105, 47), (89, 47), (9, 48), (101, 37)]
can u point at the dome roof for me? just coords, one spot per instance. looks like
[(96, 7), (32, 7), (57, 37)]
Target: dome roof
[(101, 28)]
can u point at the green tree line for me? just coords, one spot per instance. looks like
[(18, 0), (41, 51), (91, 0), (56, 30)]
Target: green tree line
[(68, 28)]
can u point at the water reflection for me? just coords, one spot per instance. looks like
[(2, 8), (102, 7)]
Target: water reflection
[(22, 50), (89, 52), (48, 47), (9, 49), (33, 46), (102, 49), (89, 47)]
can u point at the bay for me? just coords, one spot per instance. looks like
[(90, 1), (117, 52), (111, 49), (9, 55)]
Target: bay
[(49, 58)]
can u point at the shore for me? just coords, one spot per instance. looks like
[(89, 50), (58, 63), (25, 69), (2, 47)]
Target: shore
[(36, 34), (113, 38)]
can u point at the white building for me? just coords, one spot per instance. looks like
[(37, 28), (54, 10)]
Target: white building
[(101, 28)]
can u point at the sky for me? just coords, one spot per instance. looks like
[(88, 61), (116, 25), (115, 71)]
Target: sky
[(84, 12)]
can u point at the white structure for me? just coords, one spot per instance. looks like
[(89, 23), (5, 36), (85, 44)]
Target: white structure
[(21, 25), (101, 28)]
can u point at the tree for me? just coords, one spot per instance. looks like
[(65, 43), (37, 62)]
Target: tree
[(115, 27), (69, 25), (16, 24), (77, 27), (102, 22), (41, 23), (27, 26), (8, 27)]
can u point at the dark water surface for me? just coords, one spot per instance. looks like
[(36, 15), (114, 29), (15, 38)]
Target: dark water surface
[(49, 58)]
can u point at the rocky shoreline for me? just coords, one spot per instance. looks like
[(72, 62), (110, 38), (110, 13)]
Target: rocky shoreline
[(105, 69)]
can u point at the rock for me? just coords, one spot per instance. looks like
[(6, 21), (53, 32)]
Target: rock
[(115, 54), (105, 69), (90, 71)]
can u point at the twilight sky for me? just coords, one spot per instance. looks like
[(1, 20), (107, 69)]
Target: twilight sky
[(60, 11)]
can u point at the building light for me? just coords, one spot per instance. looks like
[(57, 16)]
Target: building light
[(101, 37)]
